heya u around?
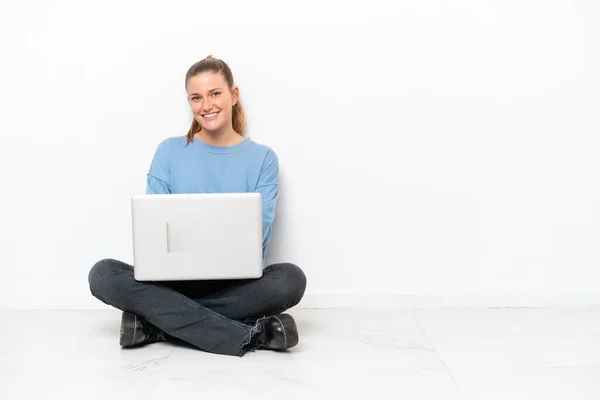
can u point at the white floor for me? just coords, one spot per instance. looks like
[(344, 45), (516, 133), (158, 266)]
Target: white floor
[(343, 354)]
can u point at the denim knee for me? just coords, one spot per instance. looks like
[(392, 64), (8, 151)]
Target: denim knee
[(101, 276), (290, 282)]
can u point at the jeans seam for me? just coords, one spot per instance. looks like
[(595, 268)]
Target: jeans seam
[(253, 331)]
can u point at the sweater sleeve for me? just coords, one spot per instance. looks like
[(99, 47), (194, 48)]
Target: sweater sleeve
[(158, 177), (268, 187)]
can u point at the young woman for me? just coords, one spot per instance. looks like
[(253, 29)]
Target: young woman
[(223, 317)]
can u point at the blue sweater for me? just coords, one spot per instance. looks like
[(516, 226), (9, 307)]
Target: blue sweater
[(204, 168)]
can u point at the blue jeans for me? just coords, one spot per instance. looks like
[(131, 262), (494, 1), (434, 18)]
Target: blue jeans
[(215, 316)]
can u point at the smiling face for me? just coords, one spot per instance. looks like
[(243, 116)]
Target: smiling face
[(211, 101)]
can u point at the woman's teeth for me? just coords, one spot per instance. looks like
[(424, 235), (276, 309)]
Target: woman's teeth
[(209, 116)]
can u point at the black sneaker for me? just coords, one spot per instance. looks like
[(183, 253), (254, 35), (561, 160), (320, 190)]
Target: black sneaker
[(136, 331), (278, 332)]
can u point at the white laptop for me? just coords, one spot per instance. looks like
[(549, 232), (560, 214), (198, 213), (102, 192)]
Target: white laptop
[(197, 236)]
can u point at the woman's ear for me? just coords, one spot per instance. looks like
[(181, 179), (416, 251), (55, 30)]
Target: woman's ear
[(235, 95)]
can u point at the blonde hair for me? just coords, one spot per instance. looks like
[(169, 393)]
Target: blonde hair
[(211, 64)]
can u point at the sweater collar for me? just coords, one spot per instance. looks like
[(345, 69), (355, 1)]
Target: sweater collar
[(221, 149)]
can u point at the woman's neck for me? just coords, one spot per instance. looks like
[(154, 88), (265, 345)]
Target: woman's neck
[(227, 138)]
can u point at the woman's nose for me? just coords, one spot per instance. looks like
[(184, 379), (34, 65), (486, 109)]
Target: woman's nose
[(206, 105)]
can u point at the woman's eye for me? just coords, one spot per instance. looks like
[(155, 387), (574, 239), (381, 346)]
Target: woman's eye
[(216, 94), (195, 98)]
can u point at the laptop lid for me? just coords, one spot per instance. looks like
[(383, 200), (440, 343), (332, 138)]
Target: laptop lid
[(197, 236)]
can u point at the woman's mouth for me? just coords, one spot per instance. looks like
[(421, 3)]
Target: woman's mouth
[(210, 117)]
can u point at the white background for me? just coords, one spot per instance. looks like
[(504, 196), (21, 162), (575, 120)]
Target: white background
[(427, 148)]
